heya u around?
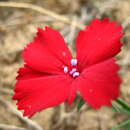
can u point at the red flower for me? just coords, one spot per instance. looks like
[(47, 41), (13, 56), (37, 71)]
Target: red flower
[(51, 76)]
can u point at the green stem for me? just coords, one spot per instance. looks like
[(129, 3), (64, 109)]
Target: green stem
[(81, 103)]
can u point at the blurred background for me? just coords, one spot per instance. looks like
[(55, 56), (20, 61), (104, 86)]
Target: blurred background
[(17, 28)]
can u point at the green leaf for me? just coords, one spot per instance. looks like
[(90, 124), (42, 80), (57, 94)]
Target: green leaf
[(81, 103), (116, 108), (119, 109), (122, 125), (123, 103), (121, 106)]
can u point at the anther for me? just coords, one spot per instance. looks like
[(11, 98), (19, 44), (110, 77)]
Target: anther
[(73, 70), (76, 74), (74, 62), (66, 69)]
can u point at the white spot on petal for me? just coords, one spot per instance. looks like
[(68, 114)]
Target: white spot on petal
[(99, 39), (29, 106), (63, 53), (90, 90)]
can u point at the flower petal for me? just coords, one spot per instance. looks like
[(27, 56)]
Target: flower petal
[(48, 52), (26, 73), (99, 41), (40, 93), (57, 45), (100, 84)]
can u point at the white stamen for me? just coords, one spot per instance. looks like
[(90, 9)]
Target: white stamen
[(66, 69), (74, 62), (73, 70), (75, 74)]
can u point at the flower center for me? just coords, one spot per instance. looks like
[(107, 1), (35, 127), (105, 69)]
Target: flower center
[(73, 71)]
